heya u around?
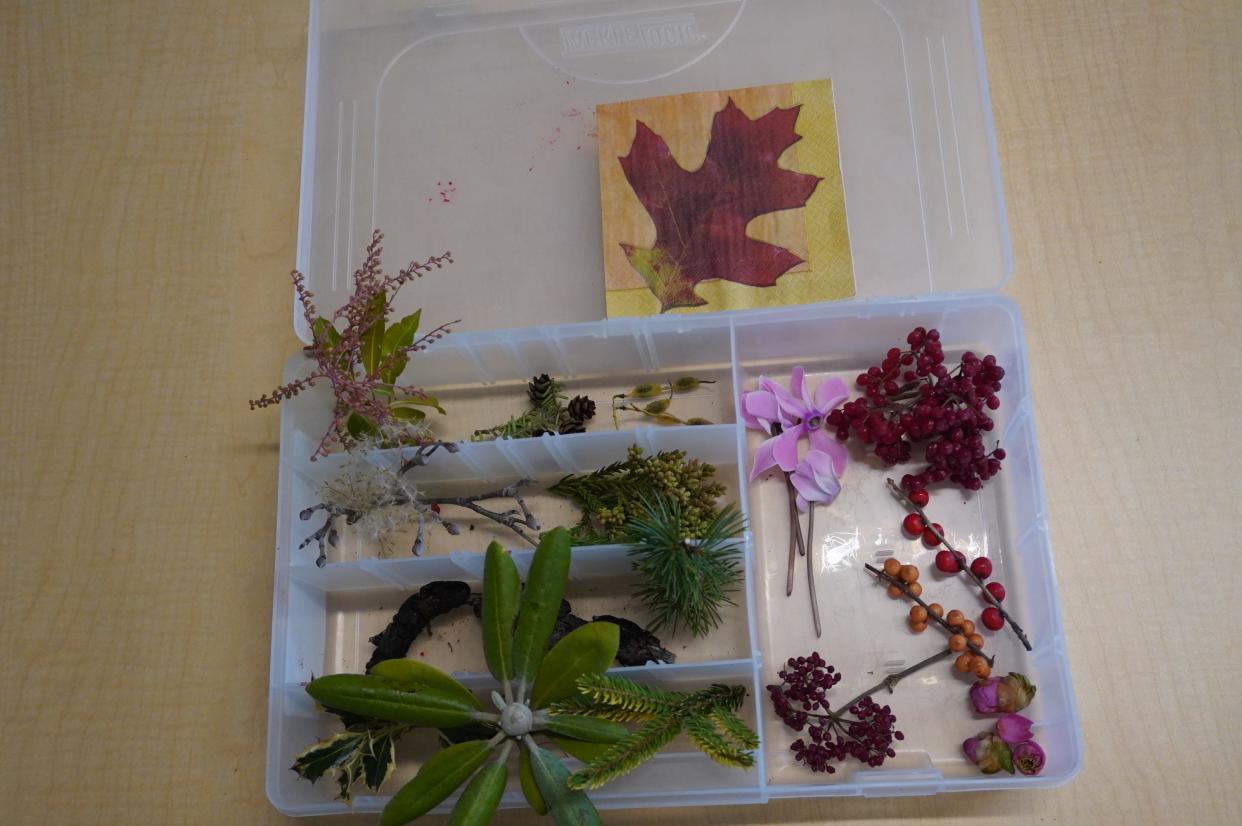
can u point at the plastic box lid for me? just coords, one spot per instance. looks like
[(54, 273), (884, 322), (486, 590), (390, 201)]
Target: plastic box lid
[(469, 126)]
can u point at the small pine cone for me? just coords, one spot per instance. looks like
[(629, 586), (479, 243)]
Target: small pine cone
[(541, 389), (581, 408), (572, 426)]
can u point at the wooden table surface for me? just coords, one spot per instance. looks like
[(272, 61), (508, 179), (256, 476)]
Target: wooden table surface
[(148, 207)]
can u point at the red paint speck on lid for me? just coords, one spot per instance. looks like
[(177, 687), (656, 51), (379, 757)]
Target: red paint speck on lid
[(579, 146)]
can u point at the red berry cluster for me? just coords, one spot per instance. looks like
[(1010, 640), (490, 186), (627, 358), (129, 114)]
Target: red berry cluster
[(801, 701), (950, 562), (911, 396)]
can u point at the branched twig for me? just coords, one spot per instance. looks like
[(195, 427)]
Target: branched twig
[(987, 595)]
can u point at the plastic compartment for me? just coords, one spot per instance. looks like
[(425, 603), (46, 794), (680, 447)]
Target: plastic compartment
[(492, 102), (323, 616)]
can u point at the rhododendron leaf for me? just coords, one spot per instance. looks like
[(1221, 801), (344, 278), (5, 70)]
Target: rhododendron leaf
[(324, 331), (402, 333), (700, 217)]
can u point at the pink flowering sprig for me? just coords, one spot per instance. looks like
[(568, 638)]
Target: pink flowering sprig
[(362, 357), (788, 418)]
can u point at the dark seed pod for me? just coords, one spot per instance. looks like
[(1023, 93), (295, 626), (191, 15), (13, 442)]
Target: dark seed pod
[(572, 426)]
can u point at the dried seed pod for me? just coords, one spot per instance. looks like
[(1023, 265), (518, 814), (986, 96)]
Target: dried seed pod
[(697, 420), (656, 407), (648, 390), (685, 384)]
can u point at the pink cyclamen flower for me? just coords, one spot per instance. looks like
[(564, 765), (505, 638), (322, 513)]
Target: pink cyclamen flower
[(799, 413), (1013, 728), (815, 479), (1028, 757), (990, 753)]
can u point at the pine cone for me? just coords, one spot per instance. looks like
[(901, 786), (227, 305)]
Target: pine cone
[(580, 408), (541, 390), (572, 426)]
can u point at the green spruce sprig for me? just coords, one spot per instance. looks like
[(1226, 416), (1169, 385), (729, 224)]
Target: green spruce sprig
[(684, 582), (613, 495), (708, 717)]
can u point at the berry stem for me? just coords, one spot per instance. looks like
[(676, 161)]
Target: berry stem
[(889, 682), (987, 595), (941, 621)]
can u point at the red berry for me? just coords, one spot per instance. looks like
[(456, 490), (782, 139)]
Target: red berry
[(946, 562), (994, 588), (981, 567), (930, 538), (913, 524), (992, 619), (919, 497)]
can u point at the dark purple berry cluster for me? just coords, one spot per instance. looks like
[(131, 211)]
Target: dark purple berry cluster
[(864, 731), (911, 396)]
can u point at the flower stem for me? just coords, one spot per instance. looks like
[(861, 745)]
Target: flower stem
[(794, 528), (984, 592), (939, 620), (810, 568)]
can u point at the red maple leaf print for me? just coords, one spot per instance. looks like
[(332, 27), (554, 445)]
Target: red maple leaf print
[(701, 216)]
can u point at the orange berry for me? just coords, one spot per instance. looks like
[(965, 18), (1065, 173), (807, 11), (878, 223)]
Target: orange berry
[(915, 589), (918, 614), (918, 627), (895, 592), (935, 610), (967, 627), (955, 617), (976, 661), (957, 643), (963, 663), (982, 670), (975, 639), (891, 566), (908, 574)]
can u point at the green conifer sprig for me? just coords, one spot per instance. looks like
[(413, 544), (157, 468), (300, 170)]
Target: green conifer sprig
[(708, 717), (685, 582)]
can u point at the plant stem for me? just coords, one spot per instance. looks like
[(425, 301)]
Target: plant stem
[(793, 543), (986, 594), (889, 682), (939, 620), (810, 568)]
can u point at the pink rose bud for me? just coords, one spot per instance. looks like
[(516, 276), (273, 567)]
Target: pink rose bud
[(1013, 728), (989, 753), (1028, 757), (1001, 695)]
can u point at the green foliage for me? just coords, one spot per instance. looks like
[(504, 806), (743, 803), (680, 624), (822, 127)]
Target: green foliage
[(684, 582), (568, 806), (709, 718), (404, 694), (588, 649), (614, 495), (439, 777), (541, 602), (363, 751), (500, 605), (480, 799)]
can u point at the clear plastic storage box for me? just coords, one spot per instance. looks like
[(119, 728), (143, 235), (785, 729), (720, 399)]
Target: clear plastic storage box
[(468, 126)]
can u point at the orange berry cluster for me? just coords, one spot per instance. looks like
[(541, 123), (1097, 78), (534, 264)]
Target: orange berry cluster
[(964, 635)]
